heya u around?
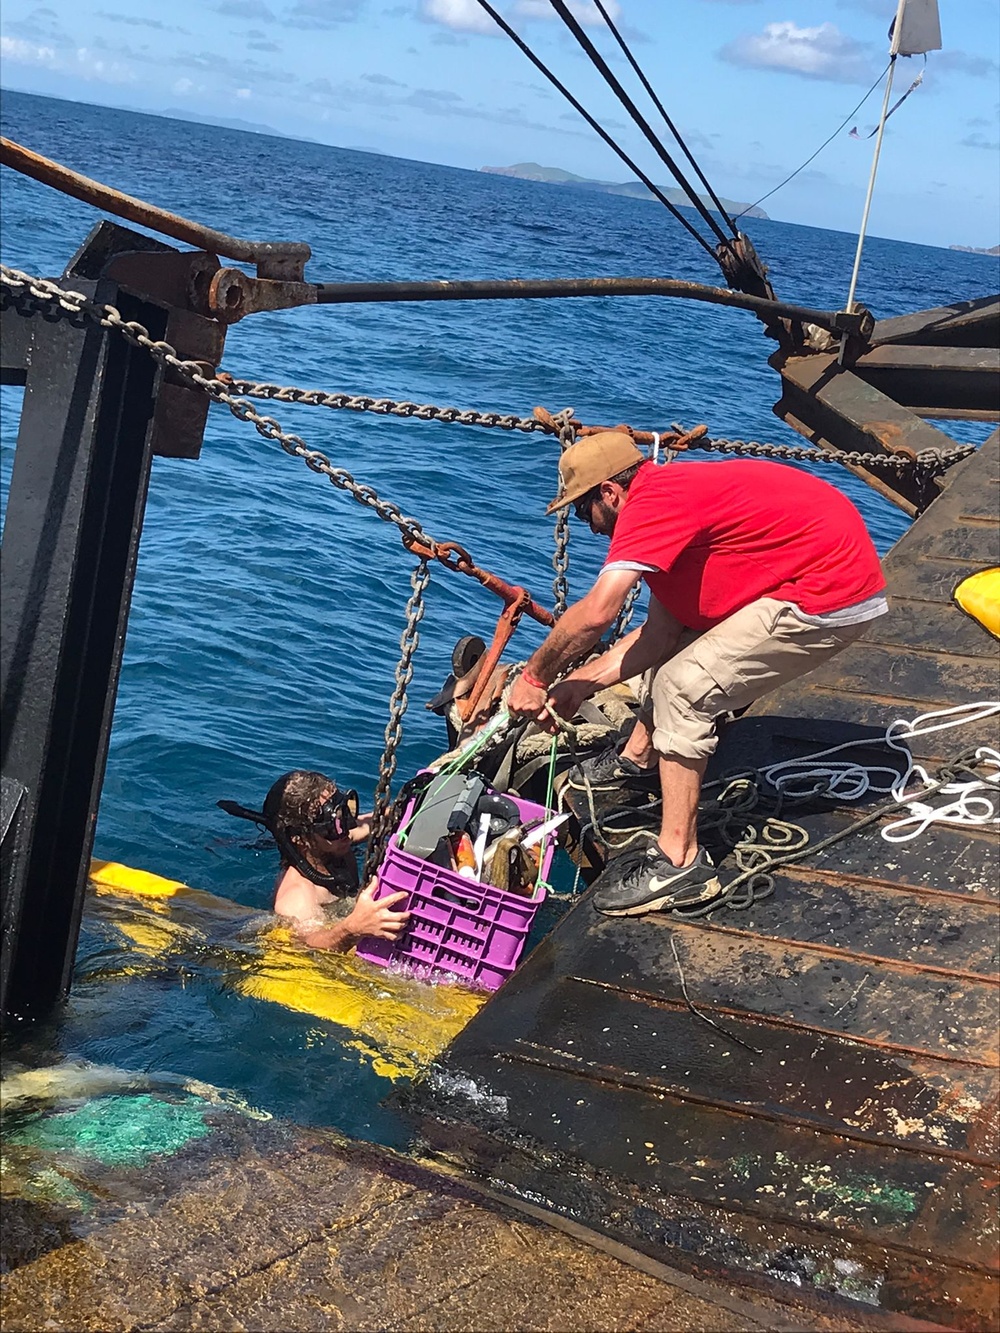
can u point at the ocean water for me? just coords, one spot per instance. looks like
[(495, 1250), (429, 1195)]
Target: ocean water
[(268, 606)]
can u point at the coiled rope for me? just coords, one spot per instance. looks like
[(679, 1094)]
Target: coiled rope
[(762, 848), (848, 780)]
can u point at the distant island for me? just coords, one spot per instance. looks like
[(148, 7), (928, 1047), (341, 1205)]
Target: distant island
[(531, 171), (220, 122), (975, 250)]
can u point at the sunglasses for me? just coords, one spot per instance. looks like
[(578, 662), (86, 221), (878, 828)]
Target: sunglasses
[(582, 507), (337, 815)]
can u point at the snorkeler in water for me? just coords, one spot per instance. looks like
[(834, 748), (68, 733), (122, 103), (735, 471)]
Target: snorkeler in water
[(317, 828)]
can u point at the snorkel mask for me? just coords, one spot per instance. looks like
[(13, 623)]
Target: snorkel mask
[(336, 816), (334, 820)]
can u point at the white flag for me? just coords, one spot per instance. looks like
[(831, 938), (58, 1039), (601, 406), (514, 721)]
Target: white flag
[(916, 28)]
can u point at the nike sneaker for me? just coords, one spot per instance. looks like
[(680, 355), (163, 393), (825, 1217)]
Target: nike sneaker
[(652, 883), (608, 769)]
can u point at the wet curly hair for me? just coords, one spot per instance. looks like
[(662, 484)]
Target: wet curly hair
[(295, 800)]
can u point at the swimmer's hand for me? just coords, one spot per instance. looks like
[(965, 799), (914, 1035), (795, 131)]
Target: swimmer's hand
[(367, 917), (376, 918), (362, 829)]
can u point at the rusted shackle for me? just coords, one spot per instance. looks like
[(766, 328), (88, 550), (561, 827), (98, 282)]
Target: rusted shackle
[(676, 438)]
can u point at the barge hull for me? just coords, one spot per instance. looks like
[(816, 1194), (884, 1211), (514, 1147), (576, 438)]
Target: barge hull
[(837, 1130)]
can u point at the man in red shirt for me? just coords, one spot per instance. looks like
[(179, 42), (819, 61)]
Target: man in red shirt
[(757, 573)]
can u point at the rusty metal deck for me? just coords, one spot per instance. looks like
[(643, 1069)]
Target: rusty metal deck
[(853, 1151)]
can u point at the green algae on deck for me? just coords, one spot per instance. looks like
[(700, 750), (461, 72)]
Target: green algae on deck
[(117, 1131), (780, 1175)]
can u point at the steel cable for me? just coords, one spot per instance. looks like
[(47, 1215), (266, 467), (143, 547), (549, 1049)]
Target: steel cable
[(595, 125), (850, 116), (626, 51), (611, 79)]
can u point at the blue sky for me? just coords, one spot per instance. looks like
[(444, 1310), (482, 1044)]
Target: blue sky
[(755, 84)]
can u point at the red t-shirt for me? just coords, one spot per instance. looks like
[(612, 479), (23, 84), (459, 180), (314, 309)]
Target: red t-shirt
[(720, 535)]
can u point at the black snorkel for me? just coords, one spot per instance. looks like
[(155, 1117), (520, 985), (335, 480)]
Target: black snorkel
[(340, 883)]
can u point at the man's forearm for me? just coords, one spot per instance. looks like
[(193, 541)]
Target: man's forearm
[(631, 656), (338, 938), (575, 634), (606, 669)]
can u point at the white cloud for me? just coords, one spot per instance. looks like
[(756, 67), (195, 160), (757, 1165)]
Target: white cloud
[(585, 10), (243, 93), (28, 53), (99, 70), (323, 13), (469, 15), (980, 67), (459, 15), (823, 52), (83, 62), (181, 87)]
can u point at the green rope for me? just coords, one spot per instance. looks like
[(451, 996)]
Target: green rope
[(465, 754), (549, 792)]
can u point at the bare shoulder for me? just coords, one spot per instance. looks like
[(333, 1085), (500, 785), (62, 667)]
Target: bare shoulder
[(298, 898)]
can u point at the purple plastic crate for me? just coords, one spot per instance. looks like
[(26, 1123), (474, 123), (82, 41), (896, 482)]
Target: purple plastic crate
[(457, 926)]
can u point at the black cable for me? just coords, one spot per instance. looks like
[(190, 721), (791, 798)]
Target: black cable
[(850, 116), (662, 110), (611, 79), (655, 190)]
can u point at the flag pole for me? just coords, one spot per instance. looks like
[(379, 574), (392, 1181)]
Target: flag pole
[(871, 179)]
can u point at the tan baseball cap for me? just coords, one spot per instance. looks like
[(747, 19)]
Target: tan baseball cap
[(590, 461)]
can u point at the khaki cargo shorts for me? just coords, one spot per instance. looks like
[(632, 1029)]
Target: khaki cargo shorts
[(758, 648)]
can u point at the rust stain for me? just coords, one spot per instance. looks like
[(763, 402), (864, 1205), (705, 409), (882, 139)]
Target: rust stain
[(891, 436)]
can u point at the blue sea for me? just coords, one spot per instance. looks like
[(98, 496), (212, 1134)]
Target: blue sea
[(268, 606)]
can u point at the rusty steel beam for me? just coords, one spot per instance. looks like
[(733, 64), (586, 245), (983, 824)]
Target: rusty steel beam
[(964, 324), (880, 484), (952, 414), (957, 379), (175, 280), (274, 259), (839, 409)]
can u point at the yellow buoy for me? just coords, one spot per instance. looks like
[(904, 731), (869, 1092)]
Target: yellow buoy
[(979, 597), (396, 1024)]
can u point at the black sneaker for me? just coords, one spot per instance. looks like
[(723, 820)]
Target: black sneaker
[(608, 769), (652, 883)]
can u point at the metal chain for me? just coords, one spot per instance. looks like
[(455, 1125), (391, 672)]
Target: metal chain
[(560, 556), (409, 641), (933, 461), (620, 628), (288, 393), (222, 388)]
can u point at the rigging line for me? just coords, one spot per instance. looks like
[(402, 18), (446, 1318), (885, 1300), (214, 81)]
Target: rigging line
[(611, 79), (871, 186), (850, 116), (655, 190), (662, 110)]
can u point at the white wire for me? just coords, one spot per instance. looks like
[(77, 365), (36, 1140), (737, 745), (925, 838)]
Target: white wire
[(975, 802)]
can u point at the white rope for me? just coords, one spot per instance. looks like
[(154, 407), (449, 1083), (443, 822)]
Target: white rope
[(656, 447), (975, 802)]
